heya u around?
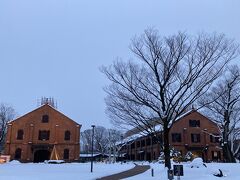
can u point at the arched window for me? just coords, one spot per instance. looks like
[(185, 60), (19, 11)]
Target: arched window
[(66, 154), (43, 135), (18, 153), (20, 134), (67, 135), (45, 119)]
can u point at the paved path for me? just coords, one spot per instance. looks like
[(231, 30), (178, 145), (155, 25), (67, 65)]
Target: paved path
[(138, 169)]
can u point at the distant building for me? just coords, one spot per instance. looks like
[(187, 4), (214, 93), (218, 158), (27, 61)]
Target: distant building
[(192, 132), (95, 157), (32, 137)]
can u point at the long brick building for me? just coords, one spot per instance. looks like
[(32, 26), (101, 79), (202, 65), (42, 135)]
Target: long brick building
[(32, 137), (193, 132)]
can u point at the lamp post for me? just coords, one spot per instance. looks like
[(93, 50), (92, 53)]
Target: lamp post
[(121, 149), (93, 126)]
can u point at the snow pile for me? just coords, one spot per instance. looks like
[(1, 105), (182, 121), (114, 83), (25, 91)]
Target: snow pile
[(197, 163), (54, 161), (14, 162)]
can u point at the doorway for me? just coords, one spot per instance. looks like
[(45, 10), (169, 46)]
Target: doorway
[(41, 156)]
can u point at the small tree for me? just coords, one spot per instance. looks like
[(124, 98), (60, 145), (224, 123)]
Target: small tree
[(168, 76), (189, 156), (7, 113)]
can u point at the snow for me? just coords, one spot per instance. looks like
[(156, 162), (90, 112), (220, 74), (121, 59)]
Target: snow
[(15, 170), (54, 161), (74, 171), (89, 155), (230, 172), (197, 163)]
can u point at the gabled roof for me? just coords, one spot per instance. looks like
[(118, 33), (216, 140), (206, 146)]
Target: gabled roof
[(137, 134), (40, 107)]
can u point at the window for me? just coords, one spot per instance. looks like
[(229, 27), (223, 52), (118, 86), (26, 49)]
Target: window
[(148, 156), (20, 134), (138, 144), (154, 140), (195, 138), (45, 119), (148, 141), (142, 143), (43, 135), (194, 123), (67, 135), (214, 138), (66, 154), (176, 137), (216, 155), (18, 153), (133, 145)]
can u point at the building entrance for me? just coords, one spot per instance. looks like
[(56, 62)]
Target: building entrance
[(41, 155)]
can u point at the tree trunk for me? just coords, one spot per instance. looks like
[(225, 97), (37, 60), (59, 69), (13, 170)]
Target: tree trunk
[(227, 154), (166, 147)]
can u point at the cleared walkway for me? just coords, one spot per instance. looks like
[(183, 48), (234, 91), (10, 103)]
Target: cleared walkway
[(138, 169)]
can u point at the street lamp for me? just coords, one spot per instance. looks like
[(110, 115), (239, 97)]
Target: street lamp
[(93, 126), (121, 149)]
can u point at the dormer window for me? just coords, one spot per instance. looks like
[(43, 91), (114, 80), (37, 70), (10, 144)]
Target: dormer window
[(194, 123), (45, 119)]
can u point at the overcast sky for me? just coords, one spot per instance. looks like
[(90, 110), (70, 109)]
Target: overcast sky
[(55, 47)]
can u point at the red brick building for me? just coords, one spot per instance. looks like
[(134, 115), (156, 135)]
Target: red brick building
[(193, 132), (32, 137)]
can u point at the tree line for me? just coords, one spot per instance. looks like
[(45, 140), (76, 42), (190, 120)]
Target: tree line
[(105, 141)]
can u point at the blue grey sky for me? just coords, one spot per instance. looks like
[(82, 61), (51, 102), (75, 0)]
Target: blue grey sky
[(55, 47)]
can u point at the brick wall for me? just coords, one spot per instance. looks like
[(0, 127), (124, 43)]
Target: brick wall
[(206, 148), (32, 123)]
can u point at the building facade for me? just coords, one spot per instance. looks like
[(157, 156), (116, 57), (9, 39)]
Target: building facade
[(32, 137), (193, 132)]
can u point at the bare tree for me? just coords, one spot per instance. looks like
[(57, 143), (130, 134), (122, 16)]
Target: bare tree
[(225, 109), (167, 77), (101, 142), (7, 113), (114, 138), (104, 140), (86, 141)]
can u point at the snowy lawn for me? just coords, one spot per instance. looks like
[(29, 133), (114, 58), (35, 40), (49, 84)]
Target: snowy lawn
[(77, 171), (231, 172), (67, 171)]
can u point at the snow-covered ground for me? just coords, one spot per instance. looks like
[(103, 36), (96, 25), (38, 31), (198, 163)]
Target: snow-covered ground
[(67, 171), (76, 171), (231, 172)]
